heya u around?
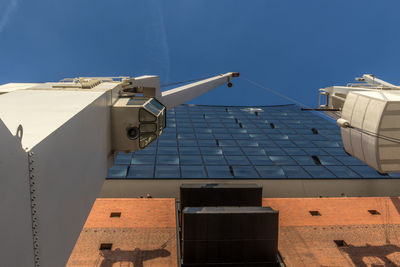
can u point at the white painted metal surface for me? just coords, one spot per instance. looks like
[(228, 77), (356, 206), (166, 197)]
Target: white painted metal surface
[(369, 116), (11, 87), (41, 112), (70, 166), (373, 133), (68, 134), (16, 244)]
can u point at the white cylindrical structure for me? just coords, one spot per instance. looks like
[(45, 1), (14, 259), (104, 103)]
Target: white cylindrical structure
[(374, 117)]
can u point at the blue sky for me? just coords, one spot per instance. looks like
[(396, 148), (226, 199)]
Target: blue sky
[(294, 47)]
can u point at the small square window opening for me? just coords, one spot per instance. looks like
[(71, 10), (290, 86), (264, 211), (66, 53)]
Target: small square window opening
[(105, 246), (315, 213), (340, 243), (374, 212)]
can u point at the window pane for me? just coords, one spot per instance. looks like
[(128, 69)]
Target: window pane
[(260, 160), (283, 160), (237, 160), (343, 172), (210, 143), (304, 160), (146, 138), (191, 160), (167, 142), (349, 160), (141, 171), (319, 172), (123, 158), (143, 159), (189, 150), (335, 151), (294, 151), (253, 151), (193, 172), (167, 160), (314, 151), (272, 151), (270, 171), (366, 172), (145, 115), (244, 172), (189, 136), (328, 160), (218, 172), (227, 142), (211, 151), (147, 127), (240, 136), (167, 171), (167, 150), (214, 160), (187, 142), (117, 171), (285, 143), (295, 172), (204, 136), (247, 143), (150, 150), (232, 151)]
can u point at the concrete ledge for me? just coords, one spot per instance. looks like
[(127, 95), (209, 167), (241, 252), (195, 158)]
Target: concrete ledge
[(128, 188)]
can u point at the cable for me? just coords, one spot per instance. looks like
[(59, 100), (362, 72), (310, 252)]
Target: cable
[(283, 96), (275, 92), (387, 138)]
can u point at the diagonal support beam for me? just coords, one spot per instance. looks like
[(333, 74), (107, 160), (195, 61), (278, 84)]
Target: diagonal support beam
[(180, 95)]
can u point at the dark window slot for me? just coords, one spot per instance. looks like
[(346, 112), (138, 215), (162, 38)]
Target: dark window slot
[(316, 160), (314, 130), (115, 214), (315, 213), (105, 246), (272, 125), (374, 212), (340, 243), (231, 170)]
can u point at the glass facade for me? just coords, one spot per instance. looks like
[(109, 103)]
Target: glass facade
[(218, 142)]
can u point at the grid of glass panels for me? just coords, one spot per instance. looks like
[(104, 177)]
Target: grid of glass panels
[(216, 142)]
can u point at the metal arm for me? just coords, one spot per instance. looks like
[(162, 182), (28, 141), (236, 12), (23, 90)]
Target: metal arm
[(180, 95), (371, 79)]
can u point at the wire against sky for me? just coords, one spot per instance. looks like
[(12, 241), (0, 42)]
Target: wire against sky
[(275, 92), (285, 97)]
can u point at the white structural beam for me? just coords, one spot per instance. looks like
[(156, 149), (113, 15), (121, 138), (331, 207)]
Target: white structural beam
[(180, 95), (371, 79)]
